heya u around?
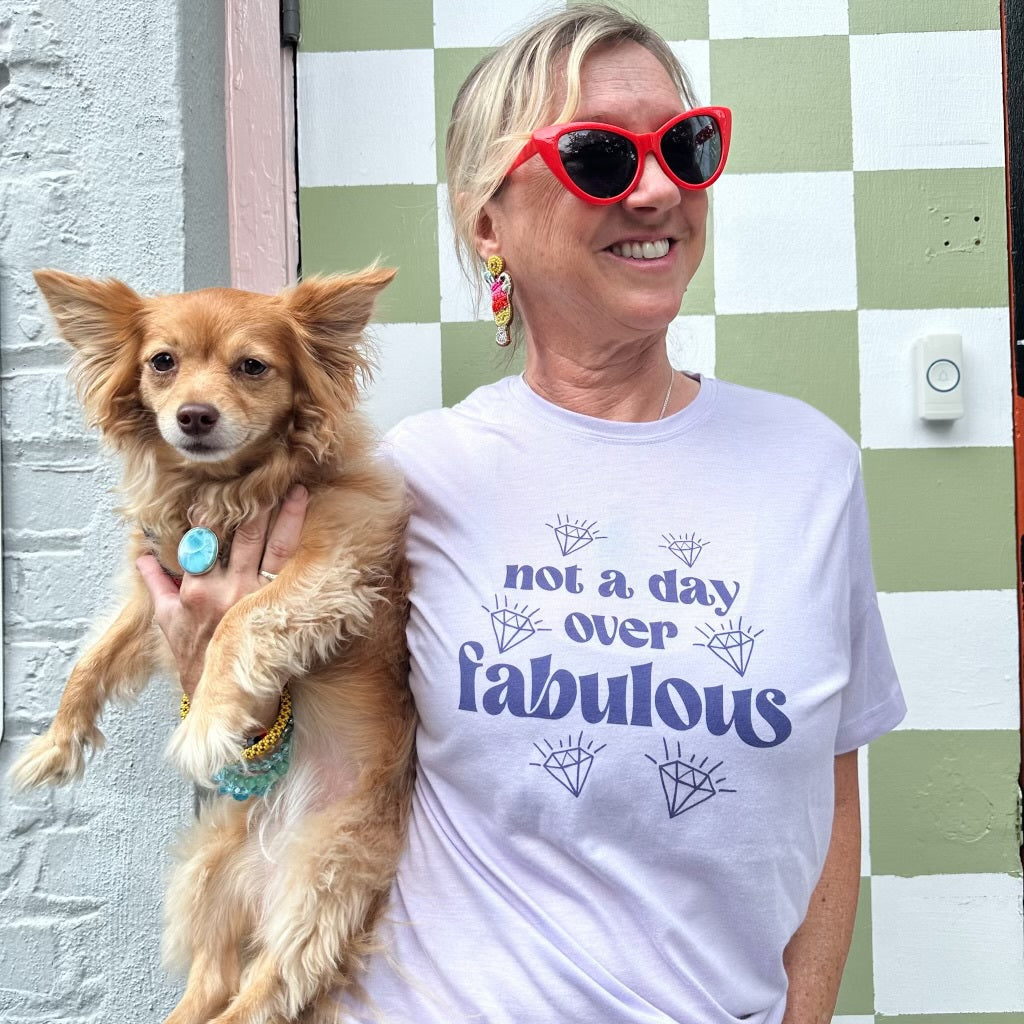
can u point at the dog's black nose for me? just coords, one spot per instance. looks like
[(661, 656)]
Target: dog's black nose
[(197, 419)]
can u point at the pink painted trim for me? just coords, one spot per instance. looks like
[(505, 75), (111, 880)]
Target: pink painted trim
[(260, 143)]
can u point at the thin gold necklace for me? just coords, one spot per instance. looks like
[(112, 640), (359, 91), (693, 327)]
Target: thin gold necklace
[(668, 394)]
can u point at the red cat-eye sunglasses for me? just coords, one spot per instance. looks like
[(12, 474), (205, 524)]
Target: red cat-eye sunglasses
[(602, 163)]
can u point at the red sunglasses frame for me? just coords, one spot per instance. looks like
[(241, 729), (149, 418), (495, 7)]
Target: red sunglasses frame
[(544, 143)]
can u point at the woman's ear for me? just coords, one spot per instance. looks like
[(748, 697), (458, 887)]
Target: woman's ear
[(485, 234)]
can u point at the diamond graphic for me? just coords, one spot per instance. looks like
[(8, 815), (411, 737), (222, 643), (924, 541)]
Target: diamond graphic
[(686, 785), (510, 628), (733, 645), (513, 625), (569, 765), (573, 536), (686, 549)]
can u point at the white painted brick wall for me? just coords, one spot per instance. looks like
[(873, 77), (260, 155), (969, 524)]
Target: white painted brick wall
[(92, 180)]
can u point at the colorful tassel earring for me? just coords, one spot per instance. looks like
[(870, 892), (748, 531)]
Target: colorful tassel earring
[(500, 283)]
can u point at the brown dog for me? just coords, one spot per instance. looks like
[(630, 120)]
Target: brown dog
[(219, 400)]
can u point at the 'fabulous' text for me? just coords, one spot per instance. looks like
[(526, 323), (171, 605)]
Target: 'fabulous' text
[(630, 699)]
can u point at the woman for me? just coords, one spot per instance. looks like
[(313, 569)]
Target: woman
[(645, 642)]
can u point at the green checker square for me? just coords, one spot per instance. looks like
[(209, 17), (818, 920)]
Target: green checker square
[(674, 20), (869, 17), (944, 802), (451, 66), (791, 102), (469, 358), (812, 356), (380, 25), (931, 239), (857, 991), (345, 228), (942, 518)]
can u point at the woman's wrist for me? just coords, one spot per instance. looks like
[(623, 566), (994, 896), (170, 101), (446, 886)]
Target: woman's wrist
[(266, 712), (263, 760)]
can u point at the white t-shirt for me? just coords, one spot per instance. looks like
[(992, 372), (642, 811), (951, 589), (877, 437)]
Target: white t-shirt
[(636, 650)]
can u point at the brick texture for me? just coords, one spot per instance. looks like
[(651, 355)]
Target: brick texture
[(91, 181)]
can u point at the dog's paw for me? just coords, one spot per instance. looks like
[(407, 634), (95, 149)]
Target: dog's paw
[(203, 744), (53, 760)]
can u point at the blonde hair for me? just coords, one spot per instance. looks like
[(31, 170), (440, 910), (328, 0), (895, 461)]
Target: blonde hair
[(508, 94)]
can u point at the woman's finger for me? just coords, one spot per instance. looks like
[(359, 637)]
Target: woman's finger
[(283, 541), (247, 546)]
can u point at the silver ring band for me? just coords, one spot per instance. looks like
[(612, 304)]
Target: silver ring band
[(268, 575)]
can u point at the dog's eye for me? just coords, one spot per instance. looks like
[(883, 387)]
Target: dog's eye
[(162, 362), (253, 367)]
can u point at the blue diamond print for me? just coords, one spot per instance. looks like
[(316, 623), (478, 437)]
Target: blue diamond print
[(510, 628), (734, 647), (685, 786), (570, 767)]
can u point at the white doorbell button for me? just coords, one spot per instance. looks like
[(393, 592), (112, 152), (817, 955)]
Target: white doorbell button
[(939, 363)]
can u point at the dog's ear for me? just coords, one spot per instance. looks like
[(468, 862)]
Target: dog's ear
[(102, 321), (330, 315), (91, 314)]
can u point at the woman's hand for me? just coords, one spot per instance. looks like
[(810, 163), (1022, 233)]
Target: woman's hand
[(189, 616)]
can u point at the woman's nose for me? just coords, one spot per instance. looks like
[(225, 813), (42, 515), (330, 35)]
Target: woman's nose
[(655, 189)]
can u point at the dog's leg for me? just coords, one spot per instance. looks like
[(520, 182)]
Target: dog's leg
[(117, 665), (267, 638), (318, 921), (209, 911)]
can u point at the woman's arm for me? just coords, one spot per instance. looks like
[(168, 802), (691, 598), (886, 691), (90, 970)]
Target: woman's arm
[(189, 616), (816, 954)]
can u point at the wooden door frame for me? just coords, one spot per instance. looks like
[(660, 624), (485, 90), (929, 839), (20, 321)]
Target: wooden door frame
[(259, 118)]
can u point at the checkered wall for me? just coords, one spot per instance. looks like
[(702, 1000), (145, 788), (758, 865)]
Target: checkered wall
[(863, 207)]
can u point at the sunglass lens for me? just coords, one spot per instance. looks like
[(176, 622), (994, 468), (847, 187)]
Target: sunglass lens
[(693, 148), (600, 163)]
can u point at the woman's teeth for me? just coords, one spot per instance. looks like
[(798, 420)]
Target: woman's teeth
[(641, 250)]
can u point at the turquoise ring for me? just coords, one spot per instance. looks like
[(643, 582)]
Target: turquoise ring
[(198, 551)]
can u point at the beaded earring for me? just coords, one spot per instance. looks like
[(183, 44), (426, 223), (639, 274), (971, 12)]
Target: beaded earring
[(497, 279)]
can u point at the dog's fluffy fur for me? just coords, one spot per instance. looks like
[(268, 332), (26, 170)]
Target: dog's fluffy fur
[(272, 901)]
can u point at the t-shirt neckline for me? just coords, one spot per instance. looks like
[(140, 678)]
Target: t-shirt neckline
[(652, 430)]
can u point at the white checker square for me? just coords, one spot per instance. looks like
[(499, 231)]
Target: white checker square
[(460, 302), (745, 19), (956, 657), (346, 103), (926, 99), (471, 23), (784, 242), (947, 944), (691, 344), (408, 378), (695, 56), (888, 408)]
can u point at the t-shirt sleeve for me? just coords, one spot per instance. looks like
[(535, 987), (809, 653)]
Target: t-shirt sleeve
[(872, 702), (392, 447)]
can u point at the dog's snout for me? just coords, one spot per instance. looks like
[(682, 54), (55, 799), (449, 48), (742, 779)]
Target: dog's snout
[(197, 418)]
